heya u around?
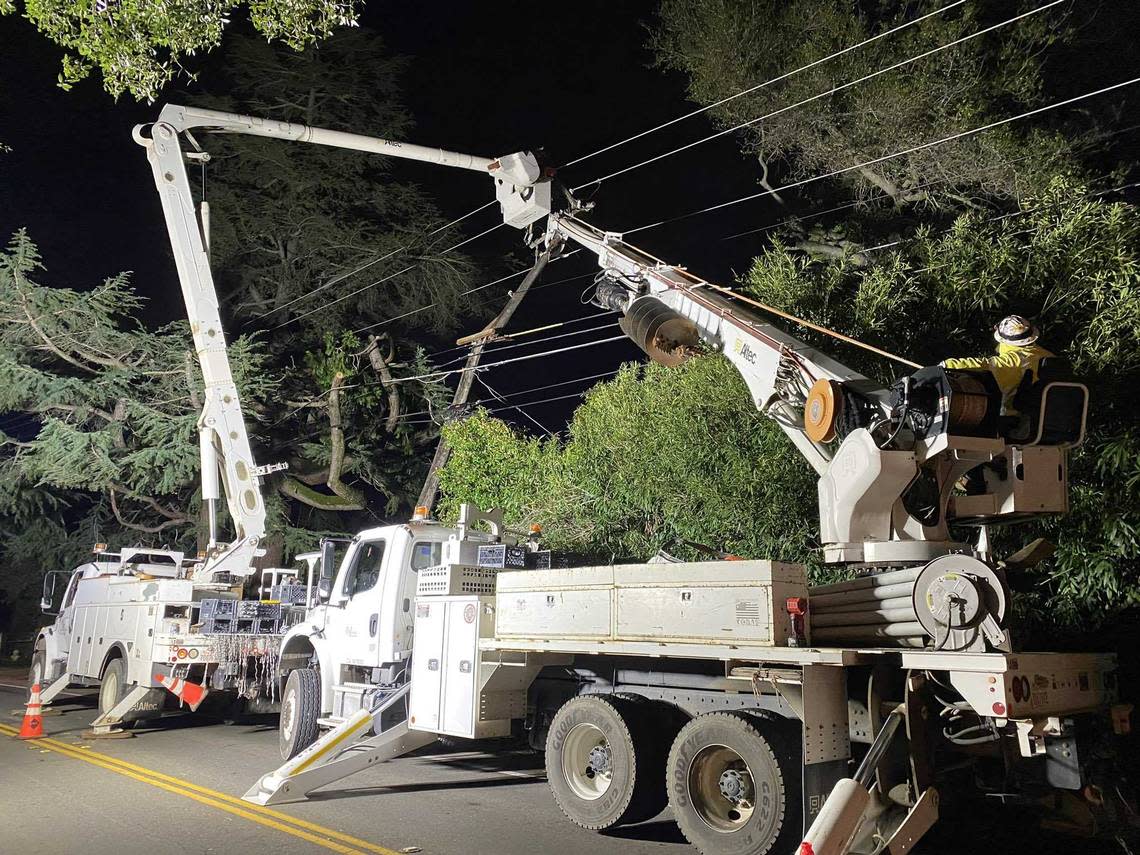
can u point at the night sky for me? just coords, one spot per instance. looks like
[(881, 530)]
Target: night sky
[(482, 79), (572, 79)]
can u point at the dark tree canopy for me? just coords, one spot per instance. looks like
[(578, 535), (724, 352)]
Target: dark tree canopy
[(726, 46), (140, 47)]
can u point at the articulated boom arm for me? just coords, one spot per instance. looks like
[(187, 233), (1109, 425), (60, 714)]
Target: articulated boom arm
[(880, 501), (520, 186), (223, 440), (666, 303)]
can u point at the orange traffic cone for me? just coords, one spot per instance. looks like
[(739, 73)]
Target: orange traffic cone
[(192, 694), (33, 726)]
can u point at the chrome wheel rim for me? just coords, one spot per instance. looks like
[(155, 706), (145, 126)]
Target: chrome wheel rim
[(721, 788), (288, 714), (587, 761)]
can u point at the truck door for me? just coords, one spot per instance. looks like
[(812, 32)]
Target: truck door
[(354, 616), (65, 620)]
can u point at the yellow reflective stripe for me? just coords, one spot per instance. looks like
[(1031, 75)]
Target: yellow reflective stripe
[(333, 744)]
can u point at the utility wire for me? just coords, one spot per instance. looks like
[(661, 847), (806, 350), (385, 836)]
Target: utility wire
[(516, 407), (766, 83), (527, 391), (536, 341), (524, 333), (877, 160), (825, 94), (439, 375), (342, 276), (524, 404), (933, 182), (384, 279), (433, 304)]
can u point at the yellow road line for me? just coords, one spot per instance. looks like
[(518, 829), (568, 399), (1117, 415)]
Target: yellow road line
[(319, 835)]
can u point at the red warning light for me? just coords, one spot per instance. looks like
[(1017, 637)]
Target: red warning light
[(999, 708)]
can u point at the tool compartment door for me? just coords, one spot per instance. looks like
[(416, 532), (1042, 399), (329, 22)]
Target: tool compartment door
[(461, 667), (427, 665)]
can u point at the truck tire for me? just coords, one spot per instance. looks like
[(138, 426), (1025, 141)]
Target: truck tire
[(734, 784), (599, 762), (113, 687), (38, 670), (300, 709)]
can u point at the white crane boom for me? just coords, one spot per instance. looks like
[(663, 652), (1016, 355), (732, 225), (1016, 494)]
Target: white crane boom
[(888, 462), (223, 438)]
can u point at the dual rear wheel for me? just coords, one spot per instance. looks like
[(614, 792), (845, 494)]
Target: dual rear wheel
[(732, 779)]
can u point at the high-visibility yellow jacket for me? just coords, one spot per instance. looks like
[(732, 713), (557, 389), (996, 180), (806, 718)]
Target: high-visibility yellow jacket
[(1008, 367)]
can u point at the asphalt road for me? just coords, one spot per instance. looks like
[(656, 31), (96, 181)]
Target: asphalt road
[(172, 788), (68, 794)]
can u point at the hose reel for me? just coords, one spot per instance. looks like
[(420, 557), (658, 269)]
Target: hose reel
[(953, 603), (962, 604)]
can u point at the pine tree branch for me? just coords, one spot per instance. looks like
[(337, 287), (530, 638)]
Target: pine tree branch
[(139, 526)]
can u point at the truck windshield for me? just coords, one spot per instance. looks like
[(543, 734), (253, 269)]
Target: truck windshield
[(365, 571)]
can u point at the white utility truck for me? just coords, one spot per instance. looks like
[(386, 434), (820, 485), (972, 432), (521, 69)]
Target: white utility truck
[(130, 622), (754, 707)]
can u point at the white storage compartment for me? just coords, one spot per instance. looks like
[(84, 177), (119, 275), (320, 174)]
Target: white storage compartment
[(565, 603), (454, 691), (706, 602)]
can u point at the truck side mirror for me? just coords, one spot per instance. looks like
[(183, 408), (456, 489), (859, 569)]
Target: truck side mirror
[(328, 561), (48, 597), (324, 589)]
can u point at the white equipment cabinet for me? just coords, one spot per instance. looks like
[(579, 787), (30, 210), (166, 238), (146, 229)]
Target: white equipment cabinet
[(708, 602), (456, 688)]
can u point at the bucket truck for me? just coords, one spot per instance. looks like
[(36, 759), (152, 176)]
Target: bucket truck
[(753, 707)]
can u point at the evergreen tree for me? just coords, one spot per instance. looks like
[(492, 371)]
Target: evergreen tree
[(98, 439)]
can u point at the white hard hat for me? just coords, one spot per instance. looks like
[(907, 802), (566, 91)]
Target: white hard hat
[(1016, 330)]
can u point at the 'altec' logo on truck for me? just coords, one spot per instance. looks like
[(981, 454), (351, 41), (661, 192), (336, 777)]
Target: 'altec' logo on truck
[(746, 352)]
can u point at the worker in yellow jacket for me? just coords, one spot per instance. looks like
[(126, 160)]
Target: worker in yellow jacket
[(1017, 353)]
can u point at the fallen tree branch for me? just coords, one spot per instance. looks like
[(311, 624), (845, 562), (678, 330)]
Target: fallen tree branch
[(380, 366), (291, 488)]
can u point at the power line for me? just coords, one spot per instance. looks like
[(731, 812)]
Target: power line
[(543, 340), (523, 404), (516, 407), (439, 375), (526, 391), (825, 94), (877, 160), (524, 333), (874, 198), (433, 304), (342, 276), (383, 279), (766, 83)]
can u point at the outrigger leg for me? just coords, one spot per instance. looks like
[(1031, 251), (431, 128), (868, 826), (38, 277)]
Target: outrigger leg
[(338, 754)]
